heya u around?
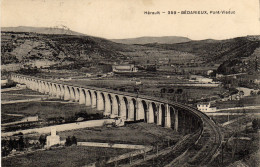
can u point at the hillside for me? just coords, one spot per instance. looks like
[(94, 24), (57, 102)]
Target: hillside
[(216, 50), (147, 40), (25, 47), (42, 30), (76, 51), (22, 47)]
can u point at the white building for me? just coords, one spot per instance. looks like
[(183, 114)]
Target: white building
[(124, 68), (200, 79), (204, 80), (30, 119), (206, 107), (53, 139), (209, 72)]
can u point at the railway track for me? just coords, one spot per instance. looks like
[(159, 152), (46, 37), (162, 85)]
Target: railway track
[(211, 134)]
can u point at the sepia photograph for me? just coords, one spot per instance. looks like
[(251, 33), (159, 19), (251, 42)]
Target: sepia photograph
[(130, 83)]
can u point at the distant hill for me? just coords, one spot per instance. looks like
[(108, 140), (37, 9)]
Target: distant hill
[(234, 55), (147, 40), (42, 30), (216, 51), (59, 46)]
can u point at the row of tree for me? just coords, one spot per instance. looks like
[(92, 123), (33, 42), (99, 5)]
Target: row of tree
[(13, 144), (70, 141)]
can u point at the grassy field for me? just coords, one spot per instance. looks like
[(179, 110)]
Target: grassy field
[(45, 110), (9, 118), (74, 156), (138, 133), (9, 97), (224, 118), (246, 152), (246, 101), (24, 92)]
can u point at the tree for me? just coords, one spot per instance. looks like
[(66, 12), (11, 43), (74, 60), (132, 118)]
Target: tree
[(42, 140), (255, 124), (68, 141), (20, 143), (74, 140)]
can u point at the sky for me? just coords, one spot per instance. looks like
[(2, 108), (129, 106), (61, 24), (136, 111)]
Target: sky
[(115, 19)]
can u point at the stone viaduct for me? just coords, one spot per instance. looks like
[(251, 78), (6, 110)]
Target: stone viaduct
[(133, 107), (128, 106)]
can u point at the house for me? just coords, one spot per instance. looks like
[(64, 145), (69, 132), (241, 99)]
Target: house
[(4, 82), (124, 68), (206, 107), (30, 119)]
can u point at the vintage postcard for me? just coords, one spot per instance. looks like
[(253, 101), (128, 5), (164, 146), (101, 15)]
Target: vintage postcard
[(142, 83)]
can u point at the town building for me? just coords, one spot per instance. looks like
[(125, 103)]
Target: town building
[(206, 107), (124, 68)]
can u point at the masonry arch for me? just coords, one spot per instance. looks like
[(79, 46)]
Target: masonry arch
[(132, 109), (67, 92), (93, 97), (88, 99), (108, 104), (125, 107), (172, 116), (77, 92), (154, 111), (62, 87), (48, 88), (119, 113), (163, 113), (59, 91), (55, 90), (145, 110), (82, 96), (72, 93), (100, 101)]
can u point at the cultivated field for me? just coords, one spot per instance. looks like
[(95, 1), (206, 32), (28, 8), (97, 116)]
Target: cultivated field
[(73, 156), (46, 110), (246, 101), (137, 133)]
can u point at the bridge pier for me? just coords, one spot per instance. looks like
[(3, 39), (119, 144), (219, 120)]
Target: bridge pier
[(88, 99), (82, 96), (150, 113), (93, 99), (108, 104), (131, 110), (140, 110), (100, 102), (114, 107), (167, 116), (122, 108), (76, 94)]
